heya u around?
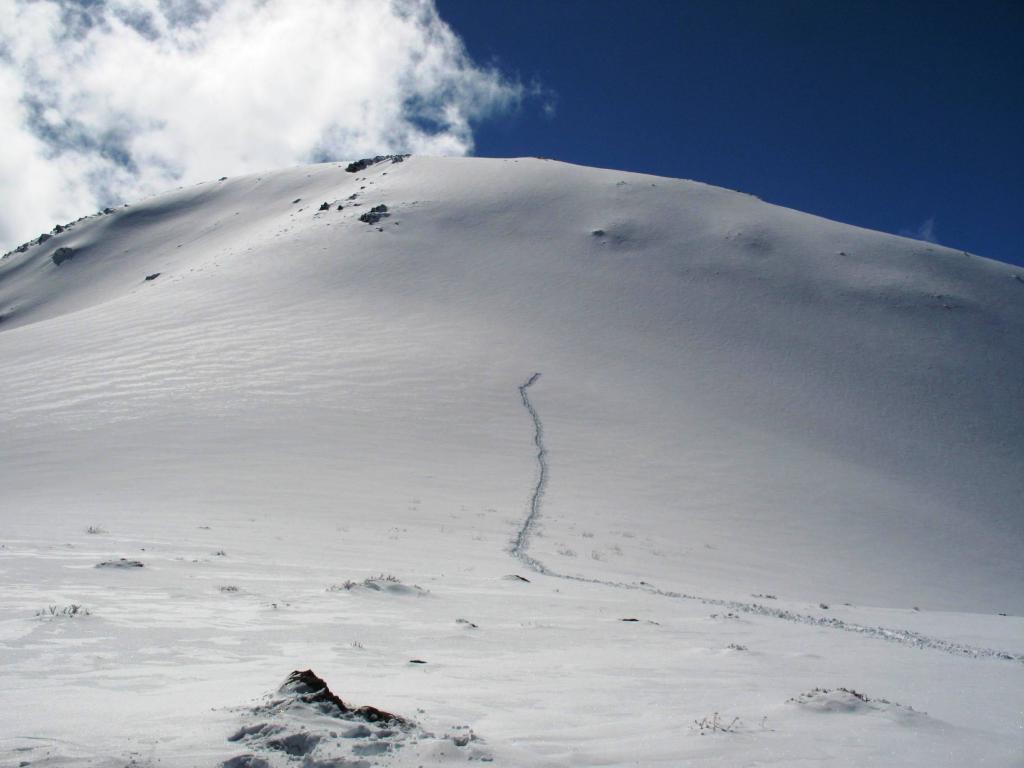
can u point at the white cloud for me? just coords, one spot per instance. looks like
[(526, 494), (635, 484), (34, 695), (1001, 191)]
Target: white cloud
[(108, 101), (925, 231)]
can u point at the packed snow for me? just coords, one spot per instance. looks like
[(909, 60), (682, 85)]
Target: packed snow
[(550, 465)]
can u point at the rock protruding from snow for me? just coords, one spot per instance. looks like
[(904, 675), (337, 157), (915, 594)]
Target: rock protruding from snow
[(366, 162), (306, 719), (375, 214), (307, 687), (63, 254)]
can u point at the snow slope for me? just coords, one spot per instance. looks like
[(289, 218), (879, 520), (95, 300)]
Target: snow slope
[(744, 414)]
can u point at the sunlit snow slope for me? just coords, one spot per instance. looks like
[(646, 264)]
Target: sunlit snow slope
[(737, 399)]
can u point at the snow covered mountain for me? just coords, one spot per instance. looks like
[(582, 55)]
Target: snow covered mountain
[(793, 449)]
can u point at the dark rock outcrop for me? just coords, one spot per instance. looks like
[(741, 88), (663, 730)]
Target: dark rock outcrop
[(63, 254), (306, 686), (375, 214), (245, 761), (366, 162)]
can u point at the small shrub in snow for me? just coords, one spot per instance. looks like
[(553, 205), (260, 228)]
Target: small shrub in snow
[(383, 582), (67, 611), (344, 587), (714, 723), (120, 563), (847, 700), (817, 693)]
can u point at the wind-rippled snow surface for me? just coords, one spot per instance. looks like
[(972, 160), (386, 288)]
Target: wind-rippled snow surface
[(761, 505)]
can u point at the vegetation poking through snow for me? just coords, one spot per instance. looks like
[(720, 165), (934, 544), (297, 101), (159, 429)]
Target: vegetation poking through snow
[(120, 563), (714, 723), (383, 582), (67, 611)]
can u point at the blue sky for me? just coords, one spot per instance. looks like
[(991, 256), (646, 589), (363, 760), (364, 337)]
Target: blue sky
[(905, 117)]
